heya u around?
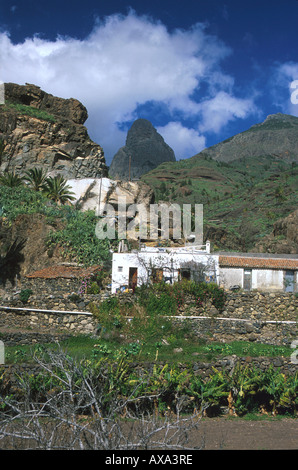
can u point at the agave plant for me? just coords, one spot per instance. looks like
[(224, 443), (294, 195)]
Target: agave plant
[(57, 190), (11, 180), (36, 178)]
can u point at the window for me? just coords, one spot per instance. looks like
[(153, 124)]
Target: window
[(185, 274), (120, 269), (157, 275)]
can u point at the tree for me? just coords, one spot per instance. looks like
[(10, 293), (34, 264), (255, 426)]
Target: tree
[(57, 190), (36, 178)]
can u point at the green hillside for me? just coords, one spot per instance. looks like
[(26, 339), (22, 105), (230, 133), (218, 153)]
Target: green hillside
[(242, 198)]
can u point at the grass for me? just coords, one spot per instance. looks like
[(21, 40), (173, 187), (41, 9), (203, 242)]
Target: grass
[(87, 347), (30, 111)]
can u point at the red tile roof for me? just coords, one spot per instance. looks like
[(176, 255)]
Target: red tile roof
[(66, 272), (259, 263)]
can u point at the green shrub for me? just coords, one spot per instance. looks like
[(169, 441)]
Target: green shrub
[(93, 288), (169, 297), (25, 294), (163, 304), (76, 233), (74, 297)]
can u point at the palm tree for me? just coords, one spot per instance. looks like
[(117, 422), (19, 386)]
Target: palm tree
[(11, 180), (36, 178), (57, 190)]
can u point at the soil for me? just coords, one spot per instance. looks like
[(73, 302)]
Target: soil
[(231, 434), (239, 434)]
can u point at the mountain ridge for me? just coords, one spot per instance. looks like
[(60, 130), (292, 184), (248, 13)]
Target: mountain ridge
[(245, 196), (277, 134)]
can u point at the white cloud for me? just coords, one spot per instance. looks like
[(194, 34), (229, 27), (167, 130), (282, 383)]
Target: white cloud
[(223, 108), (127, 61), (280, 87), (186, 142)]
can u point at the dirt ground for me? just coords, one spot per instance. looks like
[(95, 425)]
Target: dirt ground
[(239, 434)]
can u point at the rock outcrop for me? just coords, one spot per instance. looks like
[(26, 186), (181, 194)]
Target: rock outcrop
[(144, 150), (41, 130), (284, 237), (95, 194), (277, 136)]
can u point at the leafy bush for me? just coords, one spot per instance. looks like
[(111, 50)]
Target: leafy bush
[(25, 294), (164, 304), (77, 237), (94, 288), (167, 298)]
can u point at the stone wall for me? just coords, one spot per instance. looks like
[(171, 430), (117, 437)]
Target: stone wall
[(253, 306), (269, 318), (45, 323), (260, 317)]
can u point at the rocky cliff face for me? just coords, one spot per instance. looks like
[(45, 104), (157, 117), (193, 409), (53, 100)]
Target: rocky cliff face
[(144, 150), (277, 136), (284, 237), (41, 130)]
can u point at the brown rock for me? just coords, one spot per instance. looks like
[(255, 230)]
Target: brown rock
[(41, 130)]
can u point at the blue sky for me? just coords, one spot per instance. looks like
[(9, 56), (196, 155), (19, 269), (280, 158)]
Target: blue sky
[(200, 71)]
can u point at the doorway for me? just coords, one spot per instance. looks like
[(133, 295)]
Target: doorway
[(247, 279), (289, 281), (133, 278)]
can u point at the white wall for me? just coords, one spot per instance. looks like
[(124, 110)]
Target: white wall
[(229, 277), (267, 280), (170, 262)]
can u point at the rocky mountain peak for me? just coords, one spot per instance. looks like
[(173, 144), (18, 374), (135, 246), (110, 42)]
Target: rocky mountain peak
[(144, 150)]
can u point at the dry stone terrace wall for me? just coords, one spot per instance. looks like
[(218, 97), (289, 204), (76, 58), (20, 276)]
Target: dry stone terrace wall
[(258, 306), (254, 316)]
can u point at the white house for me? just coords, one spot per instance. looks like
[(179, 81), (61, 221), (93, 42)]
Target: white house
[(170, 264), (249, 271)]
